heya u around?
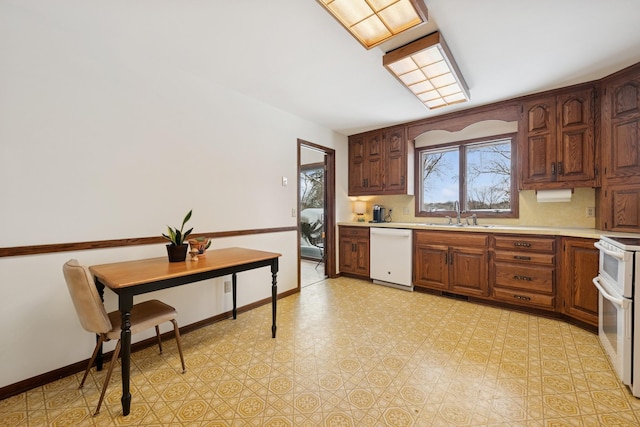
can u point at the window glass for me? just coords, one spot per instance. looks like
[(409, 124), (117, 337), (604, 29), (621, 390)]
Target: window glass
[(441, 179), (477, 174), (488, 177)]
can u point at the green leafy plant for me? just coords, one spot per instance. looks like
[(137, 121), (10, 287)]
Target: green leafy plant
[(177, 237)]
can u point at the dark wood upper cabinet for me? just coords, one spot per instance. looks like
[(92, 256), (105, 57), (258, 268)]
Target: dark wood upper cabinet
[(365, 163), (380, 162), (576, 137), (539, 153), (356, 164), (395, 164), (558, 141), (619, 198), (621, 127)]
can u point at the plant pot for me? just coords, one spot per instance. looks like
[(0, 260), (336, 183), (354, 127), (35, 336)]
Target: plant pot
[(177, 253)]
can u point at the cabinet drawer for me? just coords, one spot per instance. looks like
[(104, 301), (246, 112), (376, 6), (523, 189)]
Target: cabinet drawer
[(354, 232), (454, 238), (524, 298), (525, 243), (525, 257), (530, 278)]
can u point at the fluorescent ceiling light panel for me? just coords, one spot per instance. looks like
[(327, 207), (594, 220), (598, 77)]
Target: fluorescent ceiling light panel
[(427, 68), (372, 22)]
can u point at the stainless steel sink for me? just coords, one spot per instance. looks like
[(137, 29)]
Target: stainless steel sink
[(463, 225)]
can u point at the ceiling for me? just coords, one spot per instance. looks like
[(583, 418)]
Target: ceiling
[(293, 55)]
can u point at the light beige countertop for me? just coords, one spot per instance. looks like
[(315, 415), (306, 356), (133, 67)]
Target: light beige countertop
[(588, 233)]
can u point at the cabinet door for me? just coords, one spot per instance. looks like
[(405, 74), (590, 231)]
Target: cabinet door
[(361, 257), (575, 154), (539, 151), (347, 259), (580, 265), (623, 203), (432, 266), (621, 127), (373, 163), (365, 164), (395, 167), (468, 271), (354, 250), (357, 165)]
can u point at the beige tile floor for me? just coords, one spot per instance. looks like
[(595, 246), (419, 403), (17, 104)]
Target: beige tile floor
[(350, 353)]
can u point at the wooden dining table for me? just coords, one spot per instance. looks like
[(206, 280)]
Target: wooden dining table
[(130, 278)]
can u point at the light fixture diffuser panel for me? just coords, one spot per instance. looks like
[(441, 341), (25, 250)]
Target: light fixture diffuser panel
[(400, 16), (372, 22), (437, 82)]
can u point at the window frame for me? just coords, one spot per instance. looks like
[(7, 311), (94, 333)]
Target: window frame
[(462, 184)]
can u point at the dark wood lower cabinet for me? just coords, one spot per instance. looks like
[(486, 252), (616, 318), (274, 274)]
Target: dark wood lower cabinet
[(524, 271), (539, 273), (453, 262), (354, 251), (542, 274), (579, 267)]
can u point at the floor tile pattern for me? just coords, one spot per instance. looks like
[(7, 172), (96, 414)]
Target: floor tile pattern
[(351, 353)]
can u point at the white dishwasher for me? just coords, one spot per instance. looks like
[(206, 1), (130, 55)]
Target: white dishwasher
[(390, 257)]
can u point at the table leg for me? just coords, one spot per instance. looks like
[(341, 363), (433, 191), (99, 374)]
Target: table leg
[(274, 295), (125, 305), (234, 283)]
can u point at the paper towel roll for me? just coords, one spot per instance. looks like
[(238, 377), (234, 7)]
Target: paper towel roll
[(546, 196)]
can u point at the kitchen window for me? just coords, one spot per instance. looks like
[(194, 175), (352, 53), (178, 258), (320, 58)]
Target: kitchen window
[(477, 175)]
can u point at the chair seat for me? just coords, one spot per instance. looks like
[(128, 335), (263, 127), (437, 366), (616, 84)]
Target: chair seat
[(144, 315)]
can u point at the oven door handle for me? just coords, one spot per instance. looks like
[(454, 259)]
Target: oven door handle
[(621, 302), (618, 255)]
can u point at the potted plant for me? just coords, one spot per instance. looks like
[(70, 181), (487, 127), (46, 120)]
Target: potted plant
[(177, 249)]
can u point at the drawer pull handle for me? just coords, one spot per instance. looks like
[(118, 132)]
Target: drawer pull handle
[(522, 244), (522, 297), (525, 278), (524, 258)]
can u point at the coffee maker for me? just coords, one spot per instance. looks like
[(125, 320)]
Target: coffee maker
[(378, 213)]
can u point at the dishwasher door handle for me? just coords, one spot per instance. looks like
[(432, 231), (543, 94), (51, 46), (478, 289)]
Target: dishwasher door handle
[(390, 232)]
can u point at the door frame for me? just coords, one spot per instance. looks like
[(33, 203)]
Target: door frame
[(329, 207)]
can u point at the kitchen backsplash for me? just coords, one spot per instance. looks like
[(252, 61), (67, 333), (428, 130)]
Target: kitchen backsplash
[(532, 213)]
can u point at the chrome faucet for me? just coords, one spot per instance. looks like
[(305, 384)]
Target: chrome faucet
[(474, 219), (456, 207)]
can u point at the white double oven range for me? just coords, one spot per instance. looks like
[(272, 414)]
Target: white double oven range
[(618, 284)]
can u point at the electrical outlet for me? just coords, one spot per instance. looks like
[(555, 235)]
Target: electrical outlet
[(227, 286), (591, 212)]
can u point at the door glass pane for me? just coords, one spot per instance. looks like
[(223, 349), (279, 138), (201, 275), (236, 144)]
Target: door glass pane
[(488, 172), (440, 179)]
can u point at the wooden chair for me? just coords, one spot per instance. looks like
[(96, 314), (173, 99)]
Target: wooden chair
[(94, 318)]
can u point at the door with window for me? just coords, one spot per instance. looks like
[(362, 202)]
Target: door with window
[(316, 218)]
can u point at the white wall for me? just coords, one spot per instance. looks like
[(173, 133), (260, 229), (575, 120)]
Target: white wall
[(93, 146)]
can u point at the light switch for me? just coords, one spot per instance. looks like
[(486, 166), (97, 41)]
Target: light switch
[(284, 181)]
